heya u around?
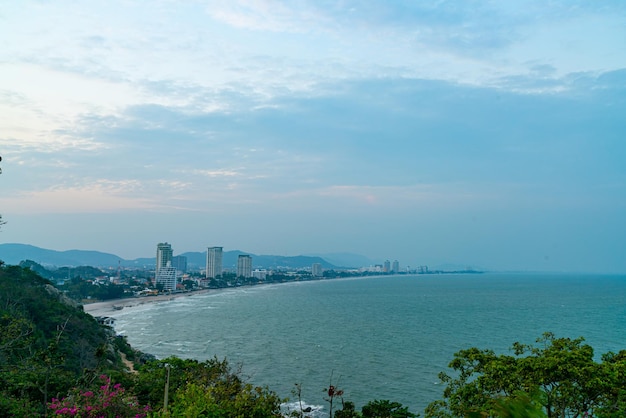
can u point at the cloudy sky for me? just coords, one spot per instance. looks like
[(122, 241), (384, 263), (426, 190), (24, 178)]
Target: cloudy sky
[(489, 134)]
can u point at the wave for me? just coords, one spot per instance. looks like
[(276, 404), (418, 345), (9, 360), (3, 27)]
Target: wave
[(309, 410)]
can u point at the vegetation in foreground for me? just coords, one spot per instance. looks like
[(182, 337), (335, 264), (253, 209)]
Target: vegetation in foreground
[(57, 360), (556, 378)]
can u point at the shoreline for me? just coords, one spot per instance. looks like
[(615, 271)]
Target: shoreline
[(110, 307)]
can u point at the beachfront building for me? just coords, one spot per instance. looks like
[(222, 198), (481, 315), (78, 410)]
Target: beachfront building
[(244, 266), (261, 275), (395, 267), (213, 262), (317, 270), (167, 277), (163, 257)]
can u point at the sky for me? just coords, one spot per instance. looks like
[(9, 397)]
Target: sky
[(483, 134)]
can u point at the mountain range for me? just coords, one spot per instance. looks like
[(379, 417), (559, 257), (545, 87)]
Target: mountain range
[(15, 253)]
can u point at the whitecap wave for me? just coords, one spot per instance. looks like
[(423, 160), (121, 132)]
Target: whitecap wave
[(308, 410)]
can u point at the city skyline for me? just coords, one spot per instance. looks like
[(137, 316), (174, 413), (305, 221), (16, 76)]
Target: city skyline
[(483, 134)]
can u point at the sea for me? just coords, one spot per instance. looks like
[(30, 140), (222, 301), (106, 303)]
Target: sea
[(385, 337)]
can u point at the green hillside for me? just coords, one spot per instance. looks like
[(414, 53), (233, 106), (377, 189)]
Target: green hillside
[(48, 344)]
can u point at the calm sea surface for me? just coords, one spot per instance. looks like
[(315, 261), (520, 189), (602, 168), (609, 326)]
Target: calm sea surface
[(380, 338)]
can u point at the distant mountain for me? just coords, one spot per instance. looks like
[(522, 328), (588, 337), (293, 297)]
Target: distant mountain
[(15, 253), (346, 260), (229, 260)]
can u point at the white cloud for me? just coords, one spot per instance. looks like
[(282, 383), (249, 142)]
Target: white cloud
[(266, 15), (101, 197), (217, 173)]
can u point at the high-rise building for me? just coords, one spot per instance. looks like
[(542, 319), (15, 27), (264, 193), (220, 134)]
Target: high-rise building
[(163, 256), (386, 266), (244, 266), (179, 262), (167, 277), (395, 266), (316, 270), (213, 262)]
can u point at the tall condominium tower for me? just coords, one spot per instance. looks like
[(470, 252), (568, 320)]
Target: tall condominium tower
[(163, 256), (395, 266), (244, 266), (317, 270), (213, 262)]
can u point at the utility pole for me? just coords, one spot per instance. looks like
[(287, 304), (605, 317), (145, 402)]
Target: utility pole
[(167, 388)]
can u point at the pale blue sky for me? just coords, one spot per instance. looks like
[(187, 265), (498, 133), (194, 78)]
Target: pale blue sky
[(489, 134)]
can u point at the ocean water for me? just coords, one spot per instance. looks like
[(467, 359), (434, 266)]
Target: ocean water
[(380, 337)]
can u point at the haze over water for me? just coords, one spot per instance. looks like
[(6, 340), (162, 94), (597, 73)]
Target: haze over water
[(380, 338)]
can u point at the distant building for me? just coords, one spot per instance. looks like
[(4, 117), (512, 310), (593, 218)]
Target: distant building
[(213, 262), (167, 277), (259, 274), (395, 266), (244, 266), (163, 256), (317, 270), (386, 266), (179, 262)]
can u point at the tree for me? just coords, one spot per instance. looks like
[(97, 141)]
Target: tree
[(333, 392), (211, 388), (387, 409), (558, 377)]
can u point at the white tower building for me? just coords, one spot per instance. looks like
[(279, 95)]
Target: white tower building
[(213, 262), (244, 266), (317, 270), (163, 256), (167, 277)]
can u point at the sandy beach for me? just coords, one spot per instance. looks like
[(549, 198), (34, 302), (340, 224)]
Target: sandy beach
[(110, 307)]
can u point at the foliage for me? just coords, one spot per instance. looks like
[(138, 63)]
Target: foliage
[(347, 411), (80, 289), (210, 387), (105, 401), (520, 404), (375, 409), (12, 406), (559, 377), (201, 400), (47, 345), (386, 409)]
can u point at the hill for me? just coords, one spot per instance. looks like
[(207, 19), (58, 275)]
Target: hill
[(229, 261), (47, 344), (14, 253)]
